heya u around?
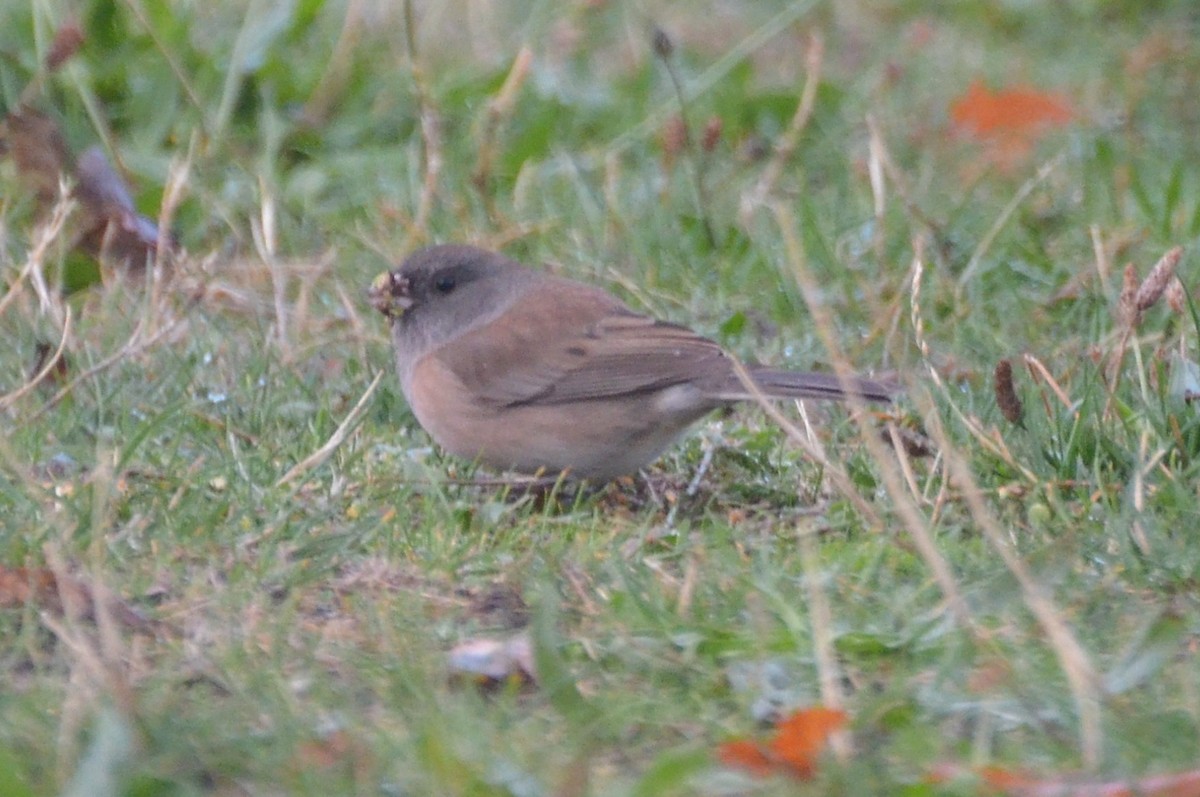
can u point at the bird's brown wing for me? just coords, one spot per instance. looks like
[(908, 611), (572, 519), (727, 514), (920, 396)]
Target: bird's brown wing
[(531, 356)]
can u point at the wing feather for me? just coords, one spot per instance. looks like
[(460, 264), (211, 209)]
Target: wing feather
[(611, 352)]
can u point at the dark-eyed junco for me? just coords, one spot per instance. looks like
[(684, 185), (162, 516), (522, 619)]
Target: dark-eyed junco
[(521, 370)]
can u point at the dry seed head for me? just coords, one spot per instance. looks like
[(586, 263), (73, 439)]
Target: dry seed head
[(712, 134), (1152, 287), (663, 46), (67, 41), (1006, 393), (1177, 297)]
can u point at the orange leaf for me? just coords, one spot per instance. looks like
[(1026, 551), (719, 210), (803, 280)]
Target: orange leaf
[(747, 755), (801, 737), (798, 741), (1018, 111)]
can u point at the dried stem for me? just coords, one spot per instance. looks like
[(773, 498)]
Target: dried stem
[(991, 441), (336, 439), (820, 615), (910, 515), (52, 363), (1074, 660)]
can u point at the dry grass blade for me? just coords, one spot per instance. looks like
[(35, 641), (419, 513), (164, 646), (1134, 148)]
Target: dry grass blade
[(714, 74), (336, 439), (1073, 659), (137, 342), (339, 68), (893, 481), (1127, 309), (992, 442), (663, 48), (1102, 261), (169, 55), (45, 236), (51, 363), (880, 153), (811, 447), (821, 617), (1036, 367)]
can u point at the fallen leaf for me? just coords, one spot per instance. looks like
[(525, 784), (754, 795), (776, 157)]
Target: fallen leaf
[(793, 750), (1020, 110), (41, 586), (39, 151), (747, 755), (336, 750), (1009, 121), (118, 233), (109, 227), (801, 737)]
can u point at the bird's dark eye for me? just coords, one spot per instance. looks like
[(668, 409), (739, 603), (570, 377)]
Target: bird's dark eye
[(444, 284)]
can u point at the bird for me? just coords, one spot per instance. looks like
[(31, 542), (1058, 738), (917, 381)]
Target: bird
[(523, 371)]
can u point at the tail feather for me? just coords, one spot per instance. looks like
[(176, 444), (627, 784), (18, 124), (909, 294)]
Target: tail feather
[(777, 383)]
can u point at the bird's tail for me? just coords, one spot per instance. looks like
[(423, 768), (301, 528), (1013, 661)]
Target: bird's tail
[(776, 383)]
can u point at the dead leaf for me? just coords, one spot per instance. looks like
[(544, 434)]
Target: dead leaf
[(117, 232), (1009, 121), (1016, 111), (747, 755), (40, 586), (336, 750), (109, 227), (798, 742), (39, 151)]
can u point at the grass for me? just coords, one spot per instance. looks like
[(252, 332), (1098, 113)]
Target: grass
[(300, 630)]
